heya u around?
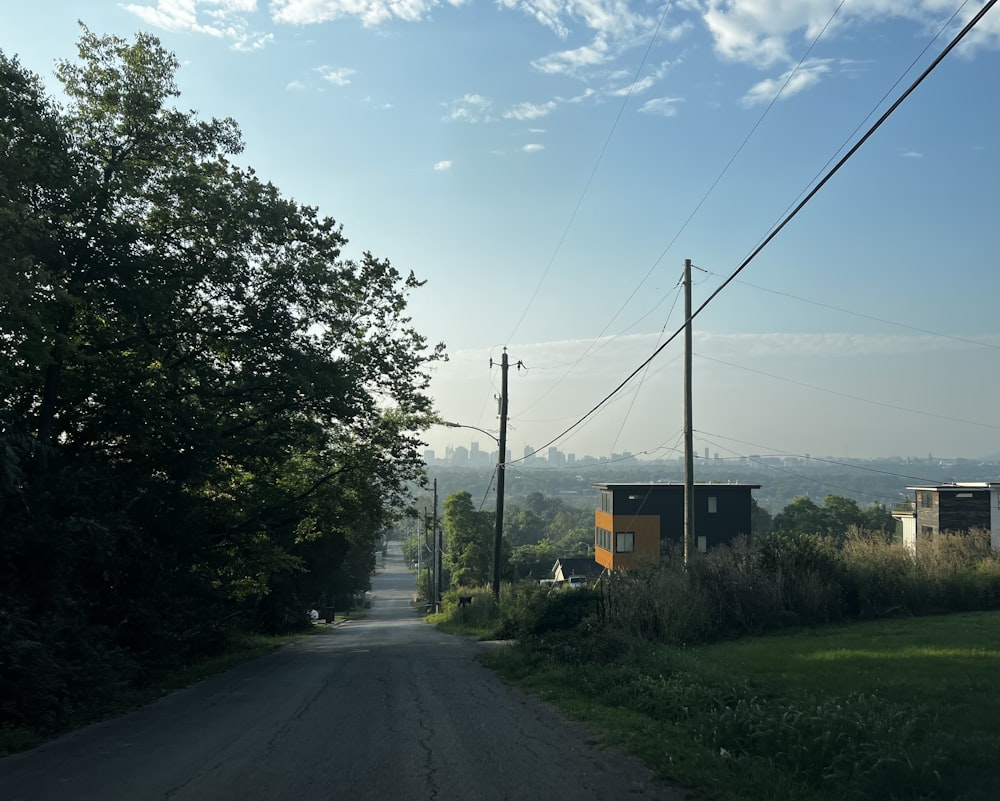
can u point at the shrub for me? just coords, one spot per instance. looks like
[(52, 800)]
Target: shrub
[(881, 576), (743, 596), (482, 613), (662, 604)]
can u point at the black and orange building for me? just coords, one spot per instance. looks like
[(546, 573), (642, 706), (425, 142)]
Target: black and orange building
[(633, 520)]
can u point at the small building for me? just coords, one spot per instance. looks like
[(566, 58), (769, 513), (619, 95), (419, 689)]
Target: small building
[(957, 507), (570, 566), (633, 520)]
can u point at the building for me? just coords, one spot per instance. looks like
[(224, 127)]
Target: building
[(951, 507), (570, 566), (632, 521)]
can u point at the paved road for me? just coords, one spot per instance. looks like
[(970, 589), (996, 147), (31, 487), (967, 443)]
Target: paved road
[(384, 708)]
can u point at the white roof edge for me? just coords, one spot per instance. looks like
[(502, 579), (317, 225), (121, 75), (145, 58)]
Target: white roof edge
[(960, 484)]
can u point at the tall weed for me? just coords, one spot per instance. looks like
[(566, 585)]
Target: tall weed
[(772, 581)]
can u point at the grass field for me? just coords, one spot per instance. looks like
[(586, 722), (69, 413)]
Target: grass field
[(893, 709)]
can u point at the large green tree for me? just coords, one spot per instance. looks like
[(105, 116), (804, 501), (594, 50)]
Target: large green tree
[(468, 536), (835, 518), (208, 414)]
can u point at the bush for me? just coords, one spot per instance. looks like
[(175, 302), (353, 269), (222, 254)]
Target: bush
[(481, 614), (772, 581)]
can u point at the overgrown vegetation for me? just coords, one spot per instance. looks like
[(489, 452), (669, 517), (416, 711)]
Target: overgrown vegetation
[(900, 709), (770, 582), (761, 584), (207, 415)]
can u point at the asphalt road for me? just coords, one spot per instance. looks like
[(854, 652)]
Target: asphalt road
[(383, 708)]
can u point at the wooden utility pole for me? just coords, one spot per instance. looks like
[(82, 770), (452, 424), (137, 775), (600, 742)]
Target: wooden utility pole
[(501, 469), (688, 425), (437, 553)]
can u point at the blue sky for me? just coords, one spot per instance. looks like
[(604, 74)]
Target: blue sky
[(548, 166)]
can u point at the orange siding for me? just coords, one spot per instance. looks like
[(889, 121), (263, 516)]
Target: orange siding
[(604, 558), (647, 541)]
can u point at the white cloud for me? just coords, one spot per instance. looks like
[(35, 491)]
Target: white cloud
[(529, 111), (788, 84), (612, 17), (223, 19), (638, 87), (547, 12), (295, 86), (664, 106), (442, 166), (569, 62), (767, 33), (340, 76), (911, 154), (587, 94), (370, 12), (471, 108), (253, 41), (533, 148)]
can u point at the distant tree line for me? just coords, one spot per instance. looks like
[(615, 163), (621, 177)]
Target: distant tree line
[(541, 530), (208, 415)]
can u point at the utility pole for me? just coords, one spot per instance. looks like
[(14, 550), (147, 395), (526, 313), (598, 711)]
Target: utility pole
[(688, 425), (437, 553), (501, 468), (425, 544), (420, 557)]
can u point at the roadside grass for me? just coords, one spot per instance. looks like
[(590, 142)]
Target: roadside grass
[(476, 617), (891, 709), (242, 649)]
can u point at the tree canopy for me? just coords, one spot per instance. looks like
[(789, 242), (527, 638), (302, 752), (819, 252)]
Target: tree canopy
[(207, 413), (834, 518), (468, 537)]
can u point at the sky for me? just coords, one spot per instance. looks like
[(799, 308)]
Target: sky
[(546, 166)]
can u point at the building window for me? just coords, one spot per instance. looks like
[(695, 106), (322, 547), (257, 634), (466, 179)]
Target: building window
[(624, 541), (703, 543), (713, 505), (926, 531), (602, 538), (606, 501), (927, 500)]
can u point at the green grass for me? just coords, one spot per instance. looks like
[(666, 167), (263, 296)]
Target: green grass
[(904, 709)]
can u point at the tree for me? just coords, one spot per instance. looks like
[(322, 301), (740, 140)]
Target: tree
[(207, 414), (877, 518), (840, 515), (801, 516), (760, 519), (533, 561), (524, 527), (468, 535)]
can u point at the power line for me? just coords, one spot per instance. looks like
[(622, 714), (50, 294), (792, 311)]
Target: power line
[(777, 469), (694, 211), (778, 451), (743, 144), (887, 92), (865, 316), (593, 172), (795, 211), (849, 396), (594, 347)]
